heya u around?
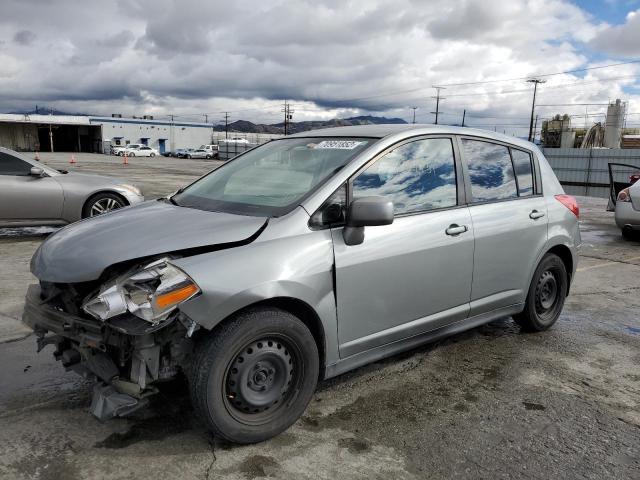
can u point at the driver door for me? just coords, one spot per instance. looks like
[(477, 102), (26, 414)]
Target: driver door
[(414, 275), (27, 197)]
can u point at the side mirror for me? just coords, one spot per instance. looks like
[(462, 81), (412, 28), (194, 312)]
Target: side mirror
[(366, 212), (36, 172)]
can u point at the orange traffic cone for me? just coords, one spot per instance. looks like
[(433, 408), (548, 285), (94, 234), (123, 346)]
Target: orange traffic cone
[(37, 157), (73, 159), (125, 159)]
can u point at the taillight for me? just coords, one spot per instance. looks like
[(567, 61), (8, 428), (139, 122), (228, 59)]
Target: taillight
[(634, 178), (624, 196), (570, 202)]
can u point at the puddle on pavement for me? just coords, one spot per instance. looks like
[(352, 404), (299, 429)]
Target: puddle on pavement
[(24, 232)]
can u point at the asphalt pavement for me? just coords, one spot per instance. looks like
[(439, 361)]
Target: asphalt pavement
[(489, 403)]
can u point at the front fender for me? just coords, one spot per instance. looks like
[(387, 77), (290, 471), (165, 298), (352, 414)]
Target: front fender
[(298, 267)]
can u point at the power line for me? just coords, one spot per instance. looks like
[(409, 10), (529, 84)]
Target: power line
[(528, 77)]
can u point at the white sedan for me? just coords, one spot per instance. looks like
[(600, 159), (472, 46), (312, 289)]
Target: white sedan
[(625, 195), (141, 151)]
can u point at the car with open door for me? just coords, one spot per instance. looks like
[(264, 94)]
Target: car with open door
[(624, 198), (31, 193), (301, 259)]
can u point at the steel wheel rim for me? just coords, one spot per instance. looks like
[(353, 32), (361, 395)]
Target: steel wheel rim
[(262, 378), (547, 294), (104, 205)]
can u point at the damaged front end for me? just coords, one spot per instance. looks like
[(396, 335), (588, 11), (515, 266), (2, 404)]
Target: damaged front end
[(126, 333)]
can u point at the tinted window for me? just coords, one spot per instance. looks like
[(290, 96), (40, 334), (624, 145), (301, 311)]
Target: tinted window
[(524, 172), (10, 165), (416, 176), (490, 170)]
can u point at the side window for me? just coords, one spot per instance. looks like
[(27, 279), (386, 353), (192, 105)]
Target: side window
[(416, 176), (490, 170), (524, 171), (10, 165), (333, 211)]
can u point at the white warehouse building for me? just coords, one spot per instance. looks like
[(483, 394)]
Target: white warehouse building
[(67, 133)]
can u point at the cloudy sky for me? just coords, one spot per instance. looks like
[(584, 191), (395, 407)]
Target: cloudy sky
[(331, 58)]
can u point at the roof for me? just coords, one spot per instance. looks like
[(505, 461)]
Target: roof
[(385, 130), (37, 118)]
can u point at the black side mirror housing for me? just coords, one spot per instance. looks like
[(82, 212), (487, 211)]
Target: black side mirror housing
[(366, 212)]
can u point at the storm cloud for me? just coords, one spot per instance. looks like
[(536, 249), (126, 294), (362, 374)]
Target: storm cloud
[(332, 58)]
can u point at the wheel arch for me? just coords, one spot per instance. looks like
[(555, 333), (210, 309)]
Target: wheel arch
[(300, 309), (564, 252), (99, 192)]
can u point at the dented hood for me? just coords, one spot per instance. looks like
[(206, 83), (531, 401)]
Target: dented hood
[(80, 252)]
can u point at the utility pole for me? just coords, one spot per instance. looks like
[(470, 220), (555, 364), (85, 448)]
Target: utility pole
[(206, 118), (226, 124), (414, 114), (464, 114), (438, 98), (288, 115), (535, 82), (535, 128)]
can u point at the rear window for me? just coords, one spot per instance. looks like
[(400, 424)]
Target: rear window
[(490, 170)]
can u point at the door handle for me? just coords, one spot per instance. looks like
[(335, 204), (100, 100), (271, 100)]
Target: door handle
[(535, 214), (455, 229)]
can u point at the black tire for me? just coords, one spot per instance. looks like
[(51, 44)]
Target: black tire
[(152, 154), (132, 154), (254, 375), (112, 201), (546, 295), (630, 234), (189, 156), (207, 157)]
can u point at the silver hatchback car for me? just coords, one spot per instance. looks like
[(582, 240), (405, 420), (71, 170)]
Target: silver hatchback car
[(302, 259)]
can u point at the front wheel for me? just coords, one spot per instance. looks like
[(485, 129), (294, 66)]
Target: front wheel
[(189, 156), (546, 295), (254, 376), (132, 154), (102, 203), (152, 154)]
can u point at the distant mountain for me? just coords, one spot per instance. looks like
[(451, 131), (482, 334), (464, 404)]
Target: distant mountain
[(47, 111), (245, 126)]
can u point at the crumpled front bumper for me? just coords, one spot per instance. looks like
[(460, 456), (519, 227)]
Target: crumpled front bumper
[(87, 347), (43, 318)]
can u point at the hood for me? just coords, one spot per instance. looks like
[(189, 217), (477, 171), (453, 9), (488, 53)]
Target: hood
[(81, 251)]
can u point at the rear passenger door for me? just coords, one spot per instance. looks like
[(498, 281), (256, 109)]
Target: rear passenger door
[(509, 218)]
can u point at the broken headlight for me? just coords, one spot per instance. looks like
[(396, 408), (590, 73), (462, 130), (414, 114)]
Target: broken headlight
[(150, 293)]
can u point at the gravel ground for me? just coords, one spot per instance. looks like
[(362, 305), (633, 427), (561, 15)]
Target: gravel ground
[(490, 403)]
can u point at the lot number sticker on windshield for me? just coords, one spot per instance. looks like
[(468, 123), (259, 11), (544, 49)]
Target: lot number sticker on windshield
[(339, 144)]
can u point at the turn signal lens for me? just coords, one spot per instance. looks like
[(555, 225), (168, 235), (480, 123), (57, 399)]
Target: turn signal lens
[(624, 196), (570, 202), (173, 298)]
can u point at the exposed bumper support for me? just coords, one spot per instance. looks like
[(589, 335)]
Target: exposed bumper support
[(107, 402)]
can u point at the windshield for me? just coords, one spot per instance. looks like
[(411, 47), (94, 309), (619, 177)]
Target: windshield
[(272, 179)]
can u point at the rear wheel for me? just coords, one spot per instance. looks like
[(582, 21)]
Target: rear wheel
[(132, 154), (152, 154), (255, 375), (546, 295)]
